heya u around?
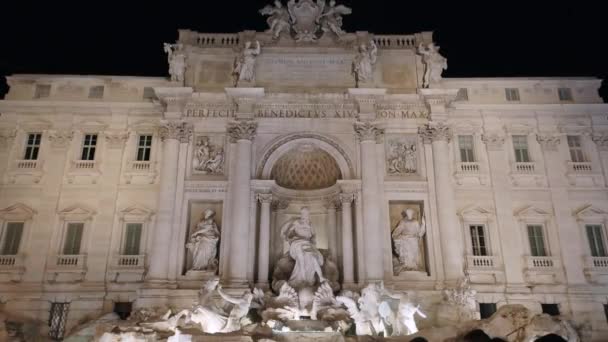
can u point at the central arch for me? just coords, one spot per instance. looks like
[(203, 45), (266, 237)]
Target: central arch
[(285, 144)]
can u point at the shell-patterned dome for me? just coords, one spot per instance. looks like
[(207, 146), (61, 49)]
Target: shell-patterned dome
[(306, 167)]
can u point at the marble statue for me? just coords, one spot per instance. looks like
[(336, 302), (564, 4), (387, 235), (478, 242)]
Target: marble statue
[(404, 323), (368, 311), (239, 310), (244, 65), (177, 62), (278, 18), (203, 243), (208, 158), (364, 62), (434, 64), (308, 260), (463, 299), (205, 313), (402, 157), (331, 19), (407, 237), (305, 15)]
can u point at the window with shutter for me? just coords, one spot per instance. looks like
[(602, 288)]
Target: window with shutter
[(595, 235), (144, 146), (465, 143), (132, 239), (32, 146), (88, 147), (12, 238), (520, 145), (478, 240), (73, 239), (537, 240), (576, 149)]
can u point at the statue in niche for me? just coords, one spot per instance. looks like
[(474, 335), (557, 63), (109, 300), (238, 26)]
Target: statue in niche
[(203, 243), (177, 62), (407, 237), (278, 20), (364, 62), (331, 19), (434, 64), (402, 157), (244, 64), (208, 158), (308, 260)]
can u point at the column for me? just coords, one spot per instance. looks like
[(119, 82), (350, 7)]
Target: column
[(332, 229), (278, 209), (438, 134), (372, 237), (601, 141), (264, 242), (241, 133), (348, 269), (172, 133)]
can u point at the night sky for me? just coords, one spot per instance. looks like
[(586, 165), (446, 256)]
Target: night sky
[(480, 39)]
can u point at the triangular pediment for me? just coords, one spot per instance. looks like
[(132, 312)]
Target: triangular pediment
[(531, 212), (136, 212), (475, 212), (18, 211), (589, 212), (77, 212)]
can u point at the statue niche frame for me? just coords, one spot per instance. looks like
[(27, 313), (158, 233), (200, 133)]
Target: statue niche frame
[(196, 208), (396, 207)]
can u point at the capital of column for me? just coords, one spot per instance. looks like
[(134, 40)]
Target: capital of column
[(264, 198), (493, 141), (174, 99), (332, 202), (279, 204), (601, 140), (6, 138), (367, 131), (116, 139), (548, 142), (61, 139), (176, 130), (242, 130), (435, 131), (346, 198)]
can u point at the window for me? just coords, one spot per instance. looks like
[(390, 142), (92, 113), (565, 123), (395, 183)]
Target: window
[(512, 94), (88, 147), (32, 146), (478, 240), (520, 146), (550, 309), (537, 240), (132, 239), (144, 145), (73, 239), (486, 310), (42, 90), (463, 94), (565, 94), (149, 93), (11, 238), (465, 143), (595, 235), (58, 317), (606, 311), (576, 149), (96, 92)]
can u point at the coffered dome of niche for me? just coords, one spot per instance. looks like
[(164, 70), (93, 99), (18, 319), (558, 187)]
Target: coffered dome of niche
[(306, 167)]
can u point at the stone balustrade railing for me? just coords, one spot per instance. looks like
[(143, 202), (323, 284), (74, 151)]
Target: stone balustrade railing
[(140, 166), (28, 164), (210, 39), (128, 261), (542, 262), (528, 167), (11, 261), (70, 261), (578, 167), (598, 263), (468, 167), (83, 165), (395, 41), (481, 261)]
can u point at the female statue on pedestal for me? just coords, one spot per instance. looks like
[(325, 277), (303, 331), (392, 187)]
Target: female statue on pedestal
[(203, 243), (407, 236), (308, 260)]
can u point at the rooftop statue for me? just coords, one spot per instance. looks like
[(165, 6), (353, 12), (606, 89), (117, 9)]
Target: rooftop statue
[(278, 18), (364, 62), (331, 19), (434, 64), (177, 62), (244, 65)]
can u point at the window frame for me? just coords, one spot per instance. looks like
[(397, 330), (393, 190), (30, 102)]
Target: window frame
[(512, 95), (472, 149), (74, 214), (544, 240), (565, 90), (602, 239), (39, 94), (139, 147), (88, 147), (125, 235), (475, 215), (515, 148), (576, 152), (17, 213), (591, 215), (35, 147), (4, 229), (531, 215), (137, 214), (486, 246)]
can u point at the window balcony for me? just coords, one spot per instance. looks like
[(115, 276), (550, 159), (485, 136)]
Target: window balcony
[(524, 168), (67, 268), (25, 172), (481, 261), (127, 268), (12, 268), (543, 270), (32, 165), (83, 165), (128, 261), (140, 166), (484, 269), (140, 172), (70, 261), (575, 167), (470, 173), (596, 269), (542, 262), (469, 167), (83, 172)]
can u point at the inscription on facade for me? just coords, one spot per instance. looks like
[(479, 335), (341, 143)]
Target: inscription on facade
[(202, 112), (313, 69), (307, 113)]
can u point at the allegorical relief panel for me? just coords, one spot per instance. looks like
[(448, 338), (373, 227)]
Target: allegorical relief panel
[(408, 231), (402, 155), (209, 155), (203, 236)]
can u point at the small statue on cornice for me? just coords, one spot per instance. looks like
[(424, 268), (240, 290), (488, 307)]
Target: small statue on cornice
[(244, 64), (331, 19), (177, 62), (434, 64), (364, 62), (278, 20)]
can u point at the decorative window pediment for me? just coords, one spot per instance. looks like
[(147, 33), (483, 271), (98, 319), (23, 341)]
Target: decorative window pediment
[(17, 212), (476, 213), (144, 126), (77, 212), (91, 126), (589, 213), (466, 127), (136, 213), (532, 214), (36, 125), (519, 128)]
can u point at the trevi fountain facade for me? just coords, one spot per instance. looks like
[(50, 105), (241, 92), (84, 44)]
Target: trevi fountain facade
[(303, 183)]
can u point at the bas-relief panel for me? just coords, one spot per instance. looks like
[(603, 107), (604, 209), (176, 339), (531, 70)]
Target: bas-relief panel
[(401, 155), (215, 73), (198, 216), (209, 155), (408, 236)]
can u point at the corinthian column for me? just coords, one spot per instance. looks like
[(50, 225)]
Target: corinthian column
[(172, 133), (348, 269), (372, 237), (241, 133), (332, 228), (438, 134), (264, 242)]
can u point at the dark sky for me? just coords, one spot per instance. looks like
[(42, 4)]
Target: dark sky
[(480, 39)]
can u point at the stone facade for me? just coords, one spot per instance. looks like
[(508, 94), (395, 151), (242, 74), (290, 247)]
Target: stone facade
[(509, 175)]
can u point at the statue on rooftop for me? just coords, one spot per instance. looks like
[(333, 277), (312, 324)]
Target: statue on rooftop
[(434, 64), (364, 62), (177, 62), (278, 18), (244, 65), (331, 19)]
